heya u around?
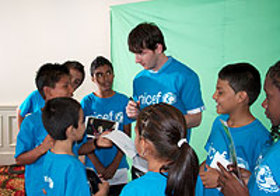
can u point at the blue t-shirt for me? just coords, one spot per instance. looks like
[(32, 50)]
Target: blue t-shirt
[(111, 108), (174, 84), (31, 134), (64, 174), (265, 180), (152, 183), (32, 103), (249, 140)]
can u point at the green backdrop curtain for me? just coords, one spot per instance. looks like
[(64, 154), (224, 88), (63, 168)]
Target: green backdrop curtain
[(205, 35)]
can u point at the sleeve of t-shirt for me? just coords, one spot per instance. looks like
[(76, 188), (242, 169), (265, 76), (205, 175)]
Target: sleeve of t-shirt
[(129, 190), (25, 138), (190, 93), (77, 183), (210, 138), (26, 105)]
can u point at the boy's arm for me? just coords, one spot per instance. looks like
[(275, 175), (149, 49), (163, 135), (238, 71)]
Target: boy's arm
[(97, 164), (31, 156), (19, 118), (92, 144), (112, 168), (103, 189), (193, 120)]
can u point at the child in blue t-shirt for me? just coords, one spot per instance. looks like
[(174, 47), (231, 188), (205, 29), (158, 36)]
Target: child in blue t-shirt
[(237, 89), (63, 172), (105, 103), (172, 163), (35, 101), (33, 141), (265, 180)]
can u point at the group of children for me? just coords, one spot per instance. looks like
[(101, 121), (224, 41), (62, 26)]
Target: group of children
[(53, 135)]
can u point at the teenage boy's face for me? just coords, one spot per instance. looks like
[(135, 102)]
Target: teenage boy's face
[(62, 88), (271, 102), (225, 97), (75, 78), (103, 77), (148, 59)]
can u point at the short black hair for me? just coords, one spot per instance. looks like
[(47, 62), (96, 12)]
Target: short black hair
[(274, 74), (48, 75), (98, 62), (243, 77), (60, 113), (76, 65), (145, 36)]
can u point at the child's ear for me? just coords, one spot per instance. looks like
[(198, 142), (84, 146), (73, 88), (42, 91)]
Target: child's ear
[(242, 96), (146, 147), (159, 48), (70, 132), (47, 91)]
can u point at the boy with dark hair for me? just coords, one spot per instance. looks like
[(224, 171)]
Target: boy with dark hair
[(163, 79), (77, 73), (237, 89), (33, 141), (35, 101), (105, 103), (265, 180), (63, 173)]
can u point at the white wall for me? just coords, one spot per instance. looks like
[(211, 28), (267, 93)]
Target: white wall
[(34, 32)]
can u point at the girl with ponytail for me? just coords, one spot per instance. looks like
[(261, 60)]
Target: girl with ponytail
[(161, 140)]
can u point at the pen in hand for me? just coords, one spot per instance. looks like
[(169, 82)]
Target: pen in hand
[(138, 104)]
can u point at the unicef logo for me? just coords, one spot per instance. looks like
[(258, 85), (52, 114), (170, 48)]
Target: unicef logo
[(265, 179), (119, 117), (169, 98)]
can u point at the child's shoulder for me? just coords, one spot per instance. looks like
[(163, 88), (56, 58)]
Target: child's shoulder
[(222, 117), (121, 95), (68, 161), (34, 118)]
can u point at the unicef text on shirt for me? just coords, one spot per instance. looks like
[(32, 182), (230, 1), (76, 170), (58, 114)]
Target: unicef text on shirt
[(118, 117), (147, 99)]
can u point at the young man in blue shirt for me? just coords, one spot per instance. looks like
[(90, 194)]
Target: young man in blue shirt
[(163, 79)]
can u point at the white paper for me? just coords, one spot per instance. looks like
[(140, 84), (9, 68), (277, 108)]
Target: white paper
[(126, 145), (221, 159), (120, 177), (140, 164), (124, 142)]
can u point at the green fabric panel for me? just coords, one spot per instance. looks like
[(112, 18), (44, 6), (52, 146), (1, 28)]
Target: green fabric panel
[(205, 35)]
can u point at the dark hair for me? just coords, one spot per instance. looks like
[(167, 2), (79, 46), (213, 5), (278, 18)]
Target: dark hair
[(164, 126), (48, 75), (77, 66), (145, 36), (274, 74), (243, 77), (98, 62), (60, 113)]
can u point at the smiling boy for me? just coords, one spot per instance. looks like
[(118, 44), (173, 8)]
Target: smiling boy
[(237, 89)]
